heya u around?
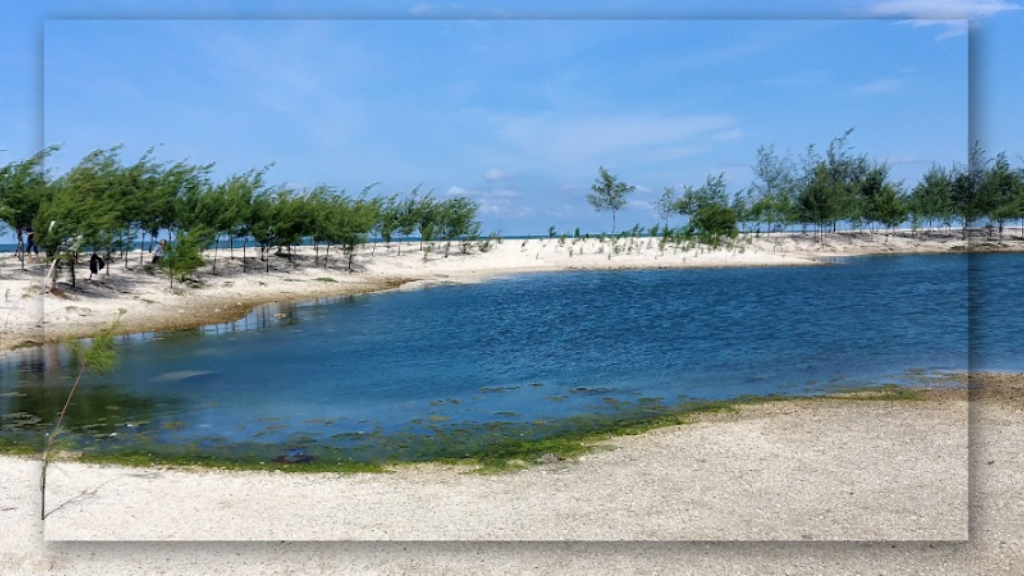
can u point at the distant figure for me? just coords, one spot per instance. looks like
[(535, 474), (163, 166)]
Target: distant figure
[(31, 249), (95, 264), (159, 251)]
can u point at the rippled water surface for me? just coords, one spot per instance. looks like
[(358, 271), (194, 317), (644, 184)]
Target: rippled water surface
[(527, 354)]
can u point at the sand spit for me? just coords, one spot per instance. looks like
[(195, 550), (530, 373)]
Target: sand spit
[(31, 314)]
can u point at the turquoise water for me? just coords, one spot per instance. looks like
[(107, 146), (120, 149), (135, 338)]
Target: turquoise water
[(371, 376)]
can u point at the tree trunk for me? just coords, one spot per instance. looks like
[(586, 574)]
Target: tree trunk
[(142, 248), (21, 249)]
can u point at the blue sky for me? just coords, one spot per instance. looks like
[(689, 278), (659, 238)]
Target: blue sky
[(515, 105)]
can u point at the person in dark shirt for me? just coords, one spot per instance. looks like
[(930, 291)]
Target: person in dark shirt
[(31, 250)]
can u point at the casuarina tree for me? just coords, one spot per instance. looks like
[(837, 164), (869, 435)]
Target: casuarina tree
[(609, 195)]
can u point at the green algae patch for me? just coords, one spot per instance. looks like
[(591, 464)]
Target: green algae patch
[(21, 446), (491, 446), (887, 393)]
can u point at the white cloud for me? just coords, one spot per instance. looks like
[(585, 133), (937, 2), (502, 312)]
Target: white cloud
[(906, 160), (460, 191), (493, 202), (495, 174), (800, 79), (420, 8), (881, 86), (581, 143), (568, 211), (668, 153), (953, 14), (503, 207), (941, 9), (734, 134)]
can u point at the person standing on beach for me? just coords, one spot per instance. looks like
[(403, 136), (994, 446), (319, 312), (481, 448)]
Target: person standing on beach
[(31, 250), (159, 251)]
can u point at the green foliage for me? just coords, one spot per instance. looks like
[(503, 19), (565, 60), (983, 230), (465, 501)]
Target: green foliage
[(456, 221), (710, 215), (713, 221), (97, 355), (389, 218), (486, 244), (772, 196), (184, 255), (23, 186), (969, 201), (350, 221), (103, 204), (609, 194), (931, 200), (831, 185), (666, 204), (1002, 191)]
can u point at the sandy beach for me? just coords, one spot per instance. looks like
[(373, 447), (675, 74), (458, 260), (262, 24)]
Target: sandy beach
[(939, 480)]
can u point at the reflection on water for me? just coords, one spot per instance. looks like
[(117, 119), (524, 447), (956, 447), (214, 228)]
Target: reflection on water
[(422, 372)]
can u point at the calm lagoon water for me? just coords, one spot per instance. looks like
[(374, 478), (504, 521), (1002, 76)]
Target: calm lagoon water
[(401, 374)]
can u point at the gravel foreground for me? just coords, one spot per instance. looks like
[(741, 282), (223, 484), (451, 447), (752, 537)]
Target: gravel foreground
[(774, 472)]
